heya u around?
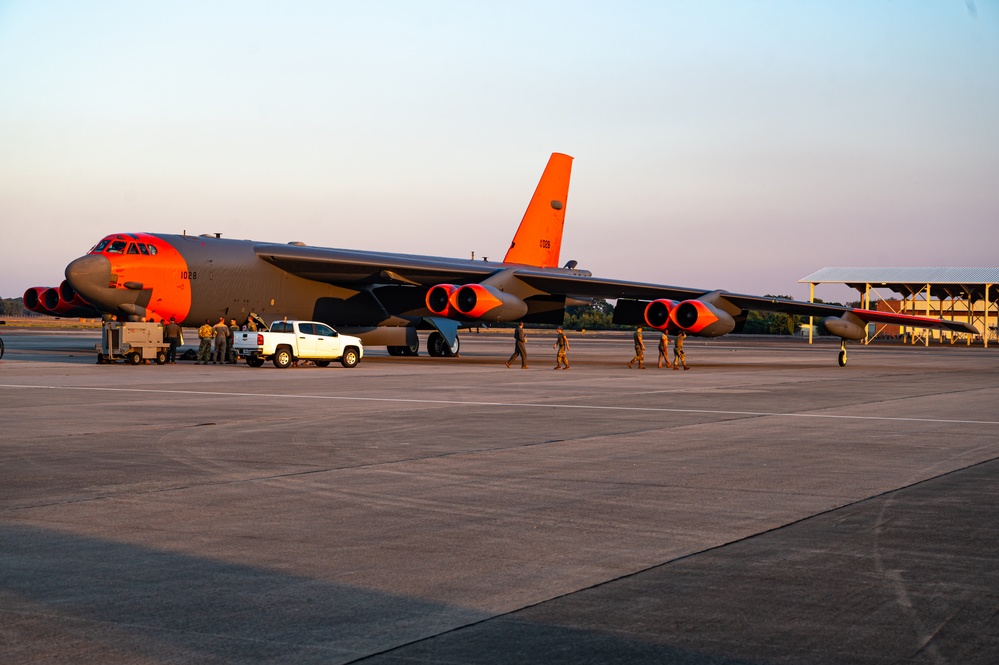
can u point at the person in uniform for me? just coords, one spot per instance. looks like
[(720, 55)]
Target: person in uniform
[(204, 343), (664, 351), (221, 331), (171, 334), (520, 346), (233, 327), (639, 350), (562, 344), (679, 357)]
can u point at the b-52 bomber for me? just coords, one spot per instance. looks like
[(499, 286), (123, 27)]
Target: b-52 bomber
[(385, 298)]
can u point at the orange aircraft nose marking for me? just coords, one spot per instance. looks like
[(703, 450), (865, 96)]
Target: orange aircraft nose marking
[(165, 274)]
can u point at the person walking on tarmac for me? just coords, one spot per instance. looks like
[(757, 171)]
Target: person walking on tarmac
[(204, 343), (664, 351), (679, 357), (221, 332), (520, 346), (172, 333), (562, 344), (639, 350)]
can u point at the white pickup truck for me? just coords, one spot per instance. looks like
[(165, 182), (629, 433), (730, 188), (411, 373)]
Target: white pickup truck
[(288, 341)]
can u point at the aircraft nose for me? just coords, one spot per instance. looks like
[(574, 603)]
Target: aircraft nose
[(89, 275)]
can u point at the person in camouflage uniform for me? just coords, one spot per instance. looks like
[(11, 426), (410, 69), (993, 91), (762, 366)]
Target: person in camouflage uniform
[(520, 346), (562, 344), (679, 357), (664, 351), (221, 332), (639, 350), (233, 327), (204, 343)]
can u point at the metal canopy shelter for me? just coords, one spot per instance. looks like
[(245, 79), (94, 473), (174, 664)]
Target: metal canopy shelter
[(920, 286)]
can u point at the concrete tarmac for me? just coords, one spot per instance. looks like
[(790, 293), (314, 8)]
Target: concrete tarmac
[(766, 506)]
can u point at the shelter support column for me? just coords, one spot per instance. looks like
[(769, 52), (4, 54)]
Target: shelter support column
[(928, 312), (988, 305), (811, 319), (867, 305)]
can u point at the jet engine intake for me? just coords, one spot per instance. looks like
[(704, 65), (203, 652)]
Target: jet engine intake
[(844, 327), (657, 313), (697, 317), (33, 301), (487, 303), (439, 299)]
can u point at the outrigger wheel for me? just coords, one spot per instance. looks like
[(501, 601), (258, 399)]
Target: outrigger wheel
[(842, 354)]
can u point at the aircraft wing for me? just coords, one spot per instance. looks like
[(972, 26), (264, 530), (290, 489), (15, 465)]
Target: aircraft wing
[(764, 304), (355, 267)]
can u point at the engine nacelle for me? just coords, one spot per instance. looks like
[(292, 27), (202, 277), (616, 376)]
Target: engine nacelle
[(487, 303), (844, 327), (49, 299), (657, 313), (439, 299), (33, 299), (697, 317)]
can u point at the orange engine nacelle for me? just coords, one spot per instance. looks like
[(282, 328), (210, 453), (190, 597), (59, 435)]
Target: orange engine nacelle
[(657, 313), (439, 299), (697, 317), (33, 299), (487, 303)]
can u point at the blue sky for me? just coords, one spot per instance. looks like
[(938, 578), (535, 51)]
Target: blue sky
[(729, 145)]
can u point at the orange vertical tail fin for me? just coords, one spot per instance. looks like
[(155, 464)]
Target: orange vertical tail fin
[(539, 237)]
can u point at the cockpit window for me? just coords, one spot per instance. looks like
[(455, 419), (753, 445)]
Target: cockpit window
[(152, 250), (132, 249), (117, 247), (100, 246), (143, 249)]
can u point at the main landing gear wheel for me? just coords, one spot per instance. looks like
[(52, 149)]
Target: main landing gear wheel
[(438, 347), (842, 355), (405, 350)]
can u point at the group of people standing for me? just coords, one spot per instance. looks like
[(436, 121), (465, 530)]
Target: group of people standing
[(561, 347), (222, 335)]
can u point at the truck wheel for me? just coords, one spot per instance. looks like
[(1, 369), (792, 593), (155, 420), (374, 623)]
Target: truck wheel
[(254, 361), (134, 358), (161, 357), (322, 363), (350, 357), (282, 358)]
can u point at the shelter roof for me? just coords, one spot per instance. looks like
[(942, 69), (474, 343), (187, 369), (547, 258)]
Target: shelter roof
[(943, 282)]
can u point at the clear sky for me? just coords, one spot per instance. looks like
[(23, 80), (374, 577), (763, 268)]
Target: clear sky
[(736, 145)]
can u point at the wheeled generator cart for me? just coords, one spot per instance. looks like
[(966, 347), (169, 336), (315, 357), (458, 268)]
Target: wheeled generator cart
[(131, 342)]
